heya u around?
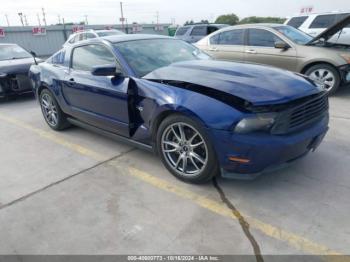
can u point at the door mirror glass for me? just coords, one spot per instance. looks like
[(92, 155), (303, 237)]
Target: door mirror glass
[(106, 70), (281, 45)]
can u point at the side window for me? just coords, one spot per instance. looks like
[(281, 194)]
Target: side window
[(341, 17), (181, 31), (261, 37), (296, 22), (212, 29), (214, 40), (323, 21), (199, 30), (58, 58), (86, 57), (90, 36), (232, 37)]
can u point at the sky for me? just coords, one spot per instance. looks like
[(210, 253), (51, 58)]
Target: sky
[(145, 11)]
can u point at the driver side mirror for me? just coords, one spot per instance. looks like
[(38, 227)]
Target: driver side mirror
[(106, 70), (282, 45)]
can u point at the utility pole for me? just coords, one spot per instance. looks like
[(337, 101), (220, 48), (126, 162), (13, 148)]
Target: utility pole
[(59, 19), (38, 16), (7, 20), (86, 19), (21, 18), (157, 15), (122, 15), (25, 20), (44, 16)]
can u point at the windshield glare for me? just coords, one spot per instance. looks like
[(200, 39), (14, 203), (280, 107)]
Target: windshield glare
[(294, 34), (8, 52), (145, 56)]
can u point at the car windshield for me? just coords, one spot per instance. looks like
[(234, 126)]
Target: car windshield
[(295, 35), (108, 33), (145, 56), (8, 52)]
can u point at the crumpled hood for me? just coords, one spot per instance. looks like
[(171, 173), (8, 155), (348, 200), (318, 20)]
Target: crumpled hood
[(257, 84), (16, 66)]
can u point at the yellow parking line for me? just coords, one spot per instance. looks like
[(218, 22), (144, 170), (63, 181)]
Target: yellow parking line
[(54, 138), (291, 239)]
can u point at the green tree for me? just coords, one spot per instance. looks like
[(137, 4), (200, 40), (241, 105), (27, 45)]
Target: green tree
[(189, 22), (257, 19), (230, 19)]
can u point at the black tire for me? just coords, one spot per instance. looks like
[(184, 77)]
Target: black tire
[(61, 122), (333, 70), (205, 172)]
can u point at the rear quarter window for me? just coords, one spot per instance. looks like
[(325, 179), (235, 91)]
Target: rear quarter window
[(296, 22), (181, 31), (323, 21), (58, 58)]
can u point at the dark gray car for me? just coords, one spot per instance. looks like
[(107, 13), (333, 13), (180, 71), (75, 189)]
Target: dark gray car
[(194, 33)]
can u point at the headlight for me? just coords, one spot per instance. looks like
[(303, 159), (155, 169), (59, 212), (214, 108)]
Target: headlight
[(346, 57), (262, 122)]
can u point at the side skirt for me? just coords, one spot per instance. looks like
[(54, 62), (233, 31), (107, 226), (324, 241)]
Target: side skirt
[(111, 135)]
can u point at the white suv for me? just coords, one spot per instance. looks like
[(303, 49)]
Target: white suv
[(84, 35), (315, 24)]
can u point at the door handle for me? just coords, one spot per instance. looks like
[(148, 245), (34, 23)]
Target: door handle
[(214, 49), (250, 51)]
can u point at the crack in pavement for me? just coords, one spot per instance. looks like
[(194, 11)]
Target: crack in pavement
[(244, 224), (65, 179)]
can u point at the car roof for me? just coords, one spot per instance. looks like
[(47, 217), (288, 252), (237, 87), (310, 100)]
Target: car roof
[(259, 25), (133, 37), (203, 24), (325, 13)]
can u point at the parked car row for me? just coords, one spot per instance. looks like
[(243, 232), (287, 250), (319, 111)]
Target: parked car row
[(283, 46)]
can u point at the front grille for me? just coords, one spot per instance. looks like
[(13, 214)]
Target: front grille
[(301, 115)]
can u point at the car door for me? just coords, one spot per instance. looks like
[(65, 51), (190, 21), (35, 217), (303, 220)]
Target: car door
[(101, 101), (261, 49), (227, 45)]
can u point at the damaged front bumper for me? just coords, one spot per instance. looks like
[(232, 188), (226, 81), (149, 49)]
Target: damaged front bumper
[(11, 84), (264, 152)]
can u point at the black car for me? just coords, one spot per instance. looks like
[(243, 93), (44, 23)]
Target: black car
[(14, 66)]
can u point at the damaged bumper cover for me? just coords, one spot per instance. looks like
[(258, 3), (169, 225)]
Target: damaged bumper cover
[(14, 84), (264, 152), (345, 73)]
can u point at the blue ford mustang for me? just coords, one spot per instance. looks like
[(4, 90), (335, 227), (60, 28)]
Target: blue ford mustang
[(203, 117)]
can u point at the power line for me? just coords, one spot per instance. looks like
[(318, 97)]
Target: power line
[(7, 20)]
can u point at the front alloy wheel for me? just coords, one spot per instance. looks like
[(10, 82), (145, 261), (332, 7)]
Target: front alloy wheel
[(52, 112), (326, 75), (185, 150)]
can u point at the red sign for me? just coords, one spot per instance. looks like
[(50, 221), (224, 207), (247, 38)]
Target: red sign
[(37, 31), (306, 10), (2, 32), (77, 28)]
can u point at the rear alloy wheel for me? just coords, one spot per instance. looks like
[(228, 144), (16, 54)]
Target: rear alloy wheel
[(185, 150), (325, 74), (53, 114)]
